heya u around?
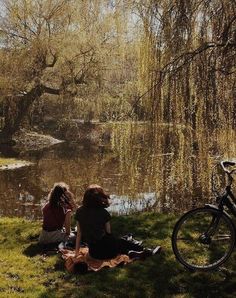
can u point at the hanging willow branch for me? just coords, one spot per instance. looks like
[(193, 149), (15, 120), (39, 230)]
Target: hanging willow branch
[(182, 60)]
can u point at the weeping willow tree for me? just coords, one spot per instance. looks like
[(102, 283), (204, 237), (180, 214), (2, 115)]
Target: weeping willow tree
[(188, 61), (186, 85), (65, 48)]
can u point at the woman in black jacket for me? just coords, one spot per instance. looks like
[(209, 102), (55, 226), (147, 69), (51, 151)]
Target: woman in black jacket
[(94, 228)]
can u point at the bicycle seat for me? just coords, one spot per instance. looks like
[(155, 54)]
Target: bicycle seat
[(228, 163)]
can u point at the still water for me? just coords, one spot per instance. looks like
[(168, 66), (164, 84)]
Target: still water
[(166, 168)]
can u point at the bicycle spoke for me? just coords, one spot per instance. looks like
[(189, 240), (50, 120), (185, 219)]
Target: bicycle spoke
[(221, 238), (203, 239)]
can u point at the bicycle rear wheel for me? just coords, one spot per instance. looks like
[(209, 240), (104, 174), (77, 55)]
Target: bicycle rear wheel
[(203, 239)]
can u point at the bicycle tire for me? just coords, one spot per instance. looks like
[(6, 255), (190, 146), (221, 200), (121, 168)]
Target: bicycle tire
[(188, 239)]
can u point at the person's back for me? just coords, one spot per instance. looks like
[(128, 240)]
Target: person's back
[(53, 217), (92, 222), (57, 215), (93, 227)]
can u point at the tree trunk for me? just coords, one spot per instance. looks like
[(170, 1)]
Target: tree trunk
[(17, 108)]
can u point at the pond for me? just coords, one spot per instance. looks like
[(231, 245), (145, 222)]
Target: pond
[(166, 168)]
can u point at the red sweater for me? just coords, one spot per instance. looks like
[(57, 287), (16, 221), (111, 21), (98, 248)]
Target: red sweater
[(53, 217)]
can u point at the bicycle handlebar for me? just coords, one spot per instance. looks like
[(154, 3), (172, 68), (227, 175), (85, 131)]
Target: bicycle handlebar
[(225, 164)]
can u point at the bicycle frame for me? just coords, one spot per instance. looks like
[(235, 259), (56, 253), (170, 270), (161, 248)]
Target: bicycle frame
[(230, 204), (227, 199), (214, 230)]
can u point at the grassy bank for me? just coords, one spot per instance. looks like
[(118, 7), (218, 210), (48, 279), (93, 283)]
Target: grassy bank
[(12, 163), (25, 272)]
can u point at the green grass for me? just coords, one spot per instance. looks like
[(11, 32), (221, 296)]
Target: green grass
[(12, 163), (7, 161), (24, 272)]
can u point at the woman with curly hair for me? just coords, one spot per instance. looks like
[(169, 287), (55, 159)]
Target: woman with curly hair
[(57, 215)]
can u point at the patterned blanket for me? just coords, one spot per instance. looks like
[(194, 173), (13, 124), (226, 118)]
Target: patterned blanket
[(89, 263)]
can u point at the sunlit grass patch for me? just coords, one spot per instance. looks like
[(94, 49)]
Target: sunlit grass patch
[(12, 163), (7, 161), (25, 272)]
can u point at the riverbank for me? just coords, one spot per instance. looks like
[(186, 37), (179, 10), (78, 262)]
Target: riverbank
[(32, 140), (25, 272)]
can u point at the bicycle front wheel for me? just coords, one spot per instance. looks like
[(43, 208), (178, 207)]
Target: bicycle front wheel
[(203, 239)]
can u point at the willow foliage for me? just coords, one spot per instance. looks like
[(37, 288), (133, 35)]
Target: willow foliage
[(188, 61)]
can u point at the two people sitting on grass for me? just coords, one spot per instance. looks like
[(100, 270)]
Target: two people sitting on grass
[(94, 228), (57, 214), (93, 224)]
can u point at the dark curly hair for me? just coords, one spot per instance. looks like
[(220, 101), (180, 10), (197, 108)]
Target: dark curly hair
[(56, 192), (95, 197)]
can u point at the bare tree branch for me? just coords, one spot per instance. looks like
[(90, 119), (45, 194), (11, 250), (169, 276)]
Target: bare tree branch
[(50, 90)]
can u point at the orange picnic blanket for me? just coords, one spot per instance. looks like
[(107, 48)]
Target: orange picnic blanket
[(93, 264)]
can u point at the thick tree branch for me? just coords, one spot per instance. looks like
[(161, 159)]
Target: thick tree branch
[(50, 90)]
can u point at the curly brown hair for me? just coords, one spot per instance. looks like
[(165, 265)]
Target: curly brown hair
[(95, 197), (56, 193)]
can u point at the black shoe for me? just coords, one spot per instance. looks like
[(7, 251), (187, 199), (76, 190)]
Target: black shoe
[(131, 239), (151, 252), (137, 242), (137, 254), (128, 237), (147, 252), (156, 250), (69, 245)]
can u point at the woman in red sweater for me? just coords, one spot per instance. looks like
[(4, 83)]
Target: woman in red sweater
[(57, 215)]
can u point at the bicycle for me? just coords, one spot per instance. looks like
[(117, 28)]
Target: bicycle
[(204, 238)]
